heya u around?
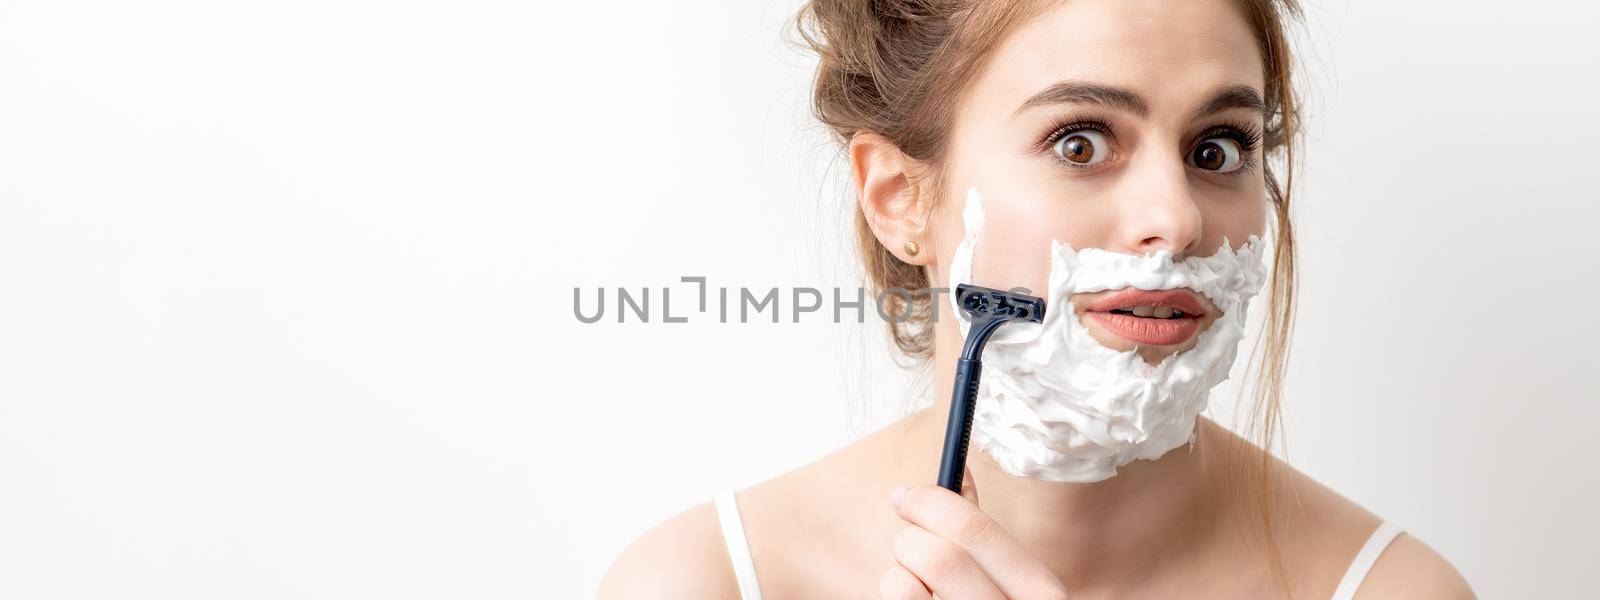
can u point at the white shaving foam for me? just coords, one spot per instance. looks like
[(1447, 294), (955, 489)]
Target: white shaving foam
[(1054, 404)]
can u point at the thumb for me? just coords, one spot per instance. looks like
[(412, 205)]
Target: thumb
[(969, 487)]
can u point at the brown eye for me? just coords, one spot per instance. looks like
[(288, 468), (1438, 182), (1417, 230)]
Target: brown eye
[(1083, 148), (1217, 154)]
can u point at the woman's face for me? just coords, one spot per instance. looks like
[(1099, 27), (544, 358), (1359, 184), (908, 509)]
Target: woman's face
[(1127, 126)]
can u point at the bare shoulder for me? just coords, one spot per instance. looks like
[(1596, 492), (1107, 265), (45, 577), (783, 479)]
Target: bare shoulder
[(1408, 568), (681, 557), (813, 532), (809, 530), (1326, 530)]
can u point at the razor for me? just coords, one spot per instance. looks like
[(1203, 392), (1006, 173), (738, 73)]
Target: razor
[(988, 309)]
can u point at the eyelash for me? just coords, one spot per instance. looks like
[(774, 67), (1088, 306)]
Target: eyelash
[(1248, 137)]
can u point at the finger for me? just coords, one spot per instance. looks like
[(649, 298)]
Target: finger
[(969, 488), (899, 584), (942, 566), (1002, 558)]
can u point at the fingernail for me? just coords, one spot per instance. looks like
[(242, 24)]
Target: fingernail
[(895, 496)]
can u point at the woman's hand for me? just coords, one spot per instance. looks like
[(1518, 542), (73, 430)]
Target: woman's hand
[(950, 549)]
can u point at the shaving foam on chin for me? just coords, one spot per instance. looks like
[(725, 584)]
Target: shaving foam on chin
[(1056, 405)]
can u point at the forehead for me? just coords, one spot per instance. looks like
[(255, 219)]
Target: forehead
[(1174, 53)]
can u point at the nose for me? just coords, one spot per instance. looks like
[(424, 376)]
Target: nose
[(1157, 210)]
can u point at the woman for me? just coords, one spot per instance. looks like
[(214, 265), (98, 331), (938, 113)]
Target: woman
[(1134, 128)]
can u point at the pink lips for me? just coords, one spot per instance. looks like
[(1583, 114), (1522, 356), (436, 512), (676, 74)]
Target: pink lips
[(1150, 330)]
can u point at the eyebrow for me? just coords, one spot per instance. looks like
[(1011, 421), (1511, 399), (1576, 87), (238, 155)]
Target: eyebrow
[(1231, 97), (1086, 92)]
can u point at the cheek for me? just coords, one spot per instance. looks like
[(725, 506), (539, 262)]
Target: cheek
[(1021, 219), (1236, 214), (1025, 210), (1013, 253)]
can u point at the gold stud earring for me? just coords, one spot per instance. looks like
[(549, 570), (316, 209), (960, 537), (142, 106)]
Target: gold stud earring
[(911, 248)]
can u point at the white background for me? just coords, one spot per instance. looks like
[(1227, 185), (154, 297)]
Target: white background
[(288, 287)]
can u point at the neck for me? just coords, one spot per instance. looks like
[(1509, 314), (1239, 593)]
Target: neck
[(1092, 534)]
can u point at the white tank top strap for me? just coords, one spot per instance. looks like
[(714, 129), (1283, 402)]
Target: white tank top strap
[(744, 568), (1365, 558)]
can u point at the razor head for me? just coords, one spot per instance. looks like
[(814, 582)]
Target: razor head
[(987, 304)]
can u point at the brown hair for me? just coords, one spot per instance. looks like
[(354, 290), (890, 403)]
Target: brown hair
[(898, 68)]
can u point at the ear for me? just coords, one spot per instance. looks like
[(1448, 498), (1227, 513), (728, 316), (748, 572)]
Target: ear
[(895, 204)]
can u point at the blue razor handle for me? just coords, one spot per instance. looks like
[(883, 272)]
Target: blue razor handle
[(988, 309)]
